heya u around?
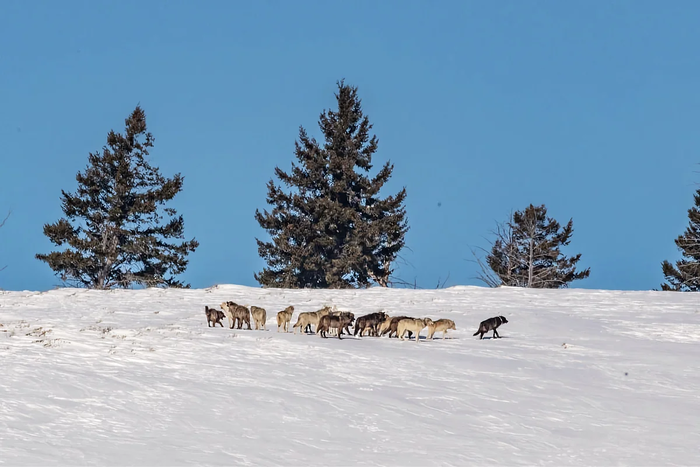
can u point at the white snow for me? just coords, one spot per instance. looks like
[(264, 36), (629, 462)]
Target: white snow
[(580, 377)]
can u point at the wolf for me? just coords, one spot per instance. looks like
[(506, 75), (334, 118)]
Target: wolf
[(391, 324), (259, 317), (415, 325), (284, 317), (361, 323), (370, 323), (335, 312), (328, 322), (441, 325), (236, 314), (490, 324), (307, 318), (213, 316)]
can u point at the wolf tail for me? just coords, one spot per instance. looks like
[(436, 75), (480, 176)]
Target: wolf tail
[(476, 333)]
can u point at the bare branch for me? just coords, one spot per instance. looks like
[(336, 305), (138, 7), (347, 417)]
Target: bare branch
[(442, 285), (1, 226), (486, 275), (5, 219)]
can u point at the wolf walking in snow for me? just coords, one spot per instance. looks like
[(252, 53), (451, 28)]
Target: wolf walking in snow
[(259, 317), (370, 322), (441, 325), (236, 314), (491, 324), (391, 324), (284, 317), (413, 325), (213, 316), (337, 322), (307, 318)]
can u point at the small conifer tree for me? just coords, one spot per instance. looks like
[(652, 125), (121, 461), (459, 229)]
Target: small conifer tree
[(685, 275), (527, 252)]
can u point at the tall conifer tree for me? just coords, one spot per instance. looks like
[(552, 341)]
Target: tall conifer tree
[(685, 275), (115, 232), (332, 229)]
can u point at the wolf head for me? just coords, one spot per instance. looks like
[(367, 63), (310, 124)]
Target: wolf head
[(503, 319)]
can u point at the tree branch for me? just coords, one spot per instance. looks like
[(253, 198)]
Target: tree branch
[(5, 219)]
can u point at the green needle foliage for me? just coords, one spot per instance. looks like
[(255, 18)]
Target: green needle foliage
[(332, 229), (114, 231)]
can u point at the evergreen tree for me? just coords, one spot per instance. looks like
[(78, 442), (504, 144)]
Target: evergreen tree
[(685, 276), (114, 232), (332, 229), (526, 252)]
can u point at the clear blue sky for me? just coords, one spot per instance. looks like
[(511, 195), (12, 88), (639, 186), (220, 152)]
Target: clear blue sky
[(591, 108)]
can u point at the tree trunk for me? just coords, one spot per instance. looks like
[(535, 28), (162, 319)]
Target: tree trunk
[(531, 261)]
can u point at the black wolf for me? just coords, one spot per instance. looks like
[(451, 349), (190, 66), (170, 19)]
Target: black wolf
[(491, 324)]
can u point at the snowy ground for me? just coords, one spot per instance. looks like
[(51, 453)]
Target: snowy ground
[(580, 377)]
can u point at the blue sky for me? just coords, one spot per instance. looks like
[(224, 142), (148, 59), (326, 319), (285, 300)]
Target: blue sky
[(484, 107)]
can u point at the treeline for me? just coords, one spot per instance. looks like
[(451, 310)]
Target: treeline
[(328, 223)]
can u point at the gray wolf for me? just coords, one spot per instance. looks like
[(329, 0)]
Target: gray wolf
[(338, 322), (307, 318), (414, 325), (347, 326), (490, 324), (259, 317), (370, 323), (236, 314), (284, 317), (441, 325), (391, 324), (213, 316)]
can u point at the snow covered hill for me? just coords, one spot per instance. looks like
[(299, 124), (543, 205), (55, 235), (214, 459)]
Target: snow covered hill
[(580, 377)]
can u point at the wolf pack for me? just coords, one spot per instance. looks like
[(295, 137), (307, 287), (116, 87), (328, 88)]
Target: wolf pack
[(330, 321)]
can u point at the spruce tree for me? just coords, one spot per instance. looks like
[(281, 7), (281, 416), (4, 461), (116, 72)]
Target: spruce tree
[(332, 229), (116, 228), (526, 252), (685, 275)]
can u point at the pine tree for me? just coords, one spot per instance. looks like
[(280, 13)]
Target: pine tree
[(332, 229), (526, 252), (114, 232), (685, 276)]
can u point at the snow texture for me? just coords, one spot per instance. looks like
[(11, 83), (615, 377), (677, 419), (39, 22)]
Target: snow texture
[(135, 377)]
